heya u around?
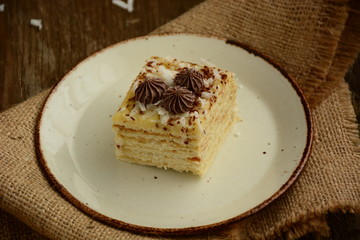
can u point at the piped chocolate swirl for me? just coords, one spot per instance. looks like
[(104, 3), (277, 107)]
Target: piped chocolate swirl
[(191, 79), (178, 99), (150, 90)]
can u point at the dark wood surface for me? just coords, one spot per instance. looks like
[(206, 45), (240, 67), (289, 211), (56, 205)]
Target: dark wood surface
[(32, 60)]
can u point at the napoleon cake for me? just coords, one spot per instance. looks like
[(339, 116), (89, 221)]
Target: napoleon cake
[(175, 115)]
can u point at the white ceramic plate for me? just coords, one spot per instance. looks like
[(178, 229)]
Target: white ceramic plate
[(260, 159)]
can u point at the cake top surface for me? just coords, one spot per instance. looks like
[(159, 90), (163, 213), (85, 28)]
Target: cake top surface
[(172, 93)]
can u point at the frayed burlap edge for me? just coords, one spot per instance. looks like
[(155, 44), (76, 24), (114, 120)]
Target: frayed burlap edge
[(351, 123), (346, 52)]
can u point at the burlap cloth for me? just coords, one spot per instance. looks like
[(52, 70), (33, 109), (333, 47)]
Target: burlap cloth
[(315, 41)]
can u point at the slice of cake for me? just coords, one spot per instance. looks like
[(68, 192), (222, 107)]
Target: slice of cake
[(175, 115)]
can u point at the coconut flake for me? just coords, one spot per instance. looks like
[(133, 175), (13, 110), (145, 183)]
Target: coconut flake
[(161, 111), (164, 115), (142, 106), (36, 23), (164, 118), (167, 74), (216, 73), (194, 114), (129, 6), (201, 101), (208, 82), (157, 103), (120, 3), (197, 120), (206, 95), (2, 7)]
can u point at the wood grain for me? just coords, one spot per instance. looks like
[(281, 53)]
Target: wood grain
[(32, 60)]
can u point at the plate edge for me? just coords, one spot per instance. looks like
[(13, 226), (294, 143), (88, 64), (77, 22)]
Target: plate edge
[(187, 230)]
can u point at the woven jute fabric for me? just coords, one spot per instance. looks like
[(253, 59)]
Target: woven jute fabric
[(315, 41), (12, 228)]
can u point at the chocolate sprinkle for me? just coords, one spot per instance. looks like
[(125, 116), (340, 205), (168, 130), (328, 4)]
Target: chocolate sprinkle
[(178, 99), (191, 79), (150, 90)]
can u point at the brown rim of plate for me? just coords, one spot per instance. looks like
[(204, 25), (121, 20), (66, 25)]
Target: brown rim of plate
[(187, 230)]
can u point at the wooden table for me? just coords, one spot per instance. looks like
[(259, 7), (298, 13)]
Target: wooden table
[(32, 60)]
